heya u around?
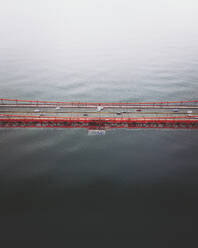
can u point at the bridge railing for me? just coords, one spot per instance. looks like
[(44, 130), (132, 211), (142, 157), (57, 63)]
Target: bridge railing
[(107, 104)]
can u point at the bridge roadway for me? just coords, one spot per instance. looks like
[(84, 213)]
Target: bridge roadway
[(21, 113)]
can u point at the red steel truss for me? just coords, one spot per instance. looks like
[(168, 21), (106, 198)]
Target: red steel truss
[(98, 123)]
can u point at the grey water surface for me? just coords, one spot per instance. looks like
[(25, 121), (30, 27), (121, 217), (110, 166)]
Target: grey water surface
[(56, 181)]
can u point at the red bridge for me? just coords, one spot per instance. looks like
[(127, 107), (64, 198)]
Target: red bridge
[(48, 114)]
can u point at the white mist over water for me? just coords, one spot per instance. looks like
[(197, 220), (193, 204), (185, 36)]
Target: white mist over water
[(97, 51), (90, 50)]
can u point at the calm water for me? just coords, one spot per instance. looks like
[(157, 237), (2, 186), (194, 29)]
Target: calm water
[(55, 181)]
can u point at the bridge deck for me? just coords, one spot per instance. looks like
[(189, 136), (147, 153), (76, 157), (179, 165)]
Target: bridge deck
[(111, 112), (13, 110)]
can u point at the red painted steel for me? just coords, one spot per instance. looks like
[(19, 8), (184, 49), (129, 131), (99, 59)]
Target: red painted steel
[(98, 123), (27, 121), (100, 103), (99, 118)]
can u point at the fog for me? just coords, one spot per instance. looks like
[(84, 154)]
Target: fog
[(94, 22), (142, 182)]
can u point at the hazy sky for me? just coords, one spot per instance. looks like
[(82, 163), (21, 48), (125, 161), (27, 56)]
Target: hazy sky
[(94, 20)]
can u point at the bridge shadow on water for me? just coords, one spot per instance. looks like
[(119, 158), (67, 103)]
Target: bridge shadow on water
[(34, 211), (145, 185)]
